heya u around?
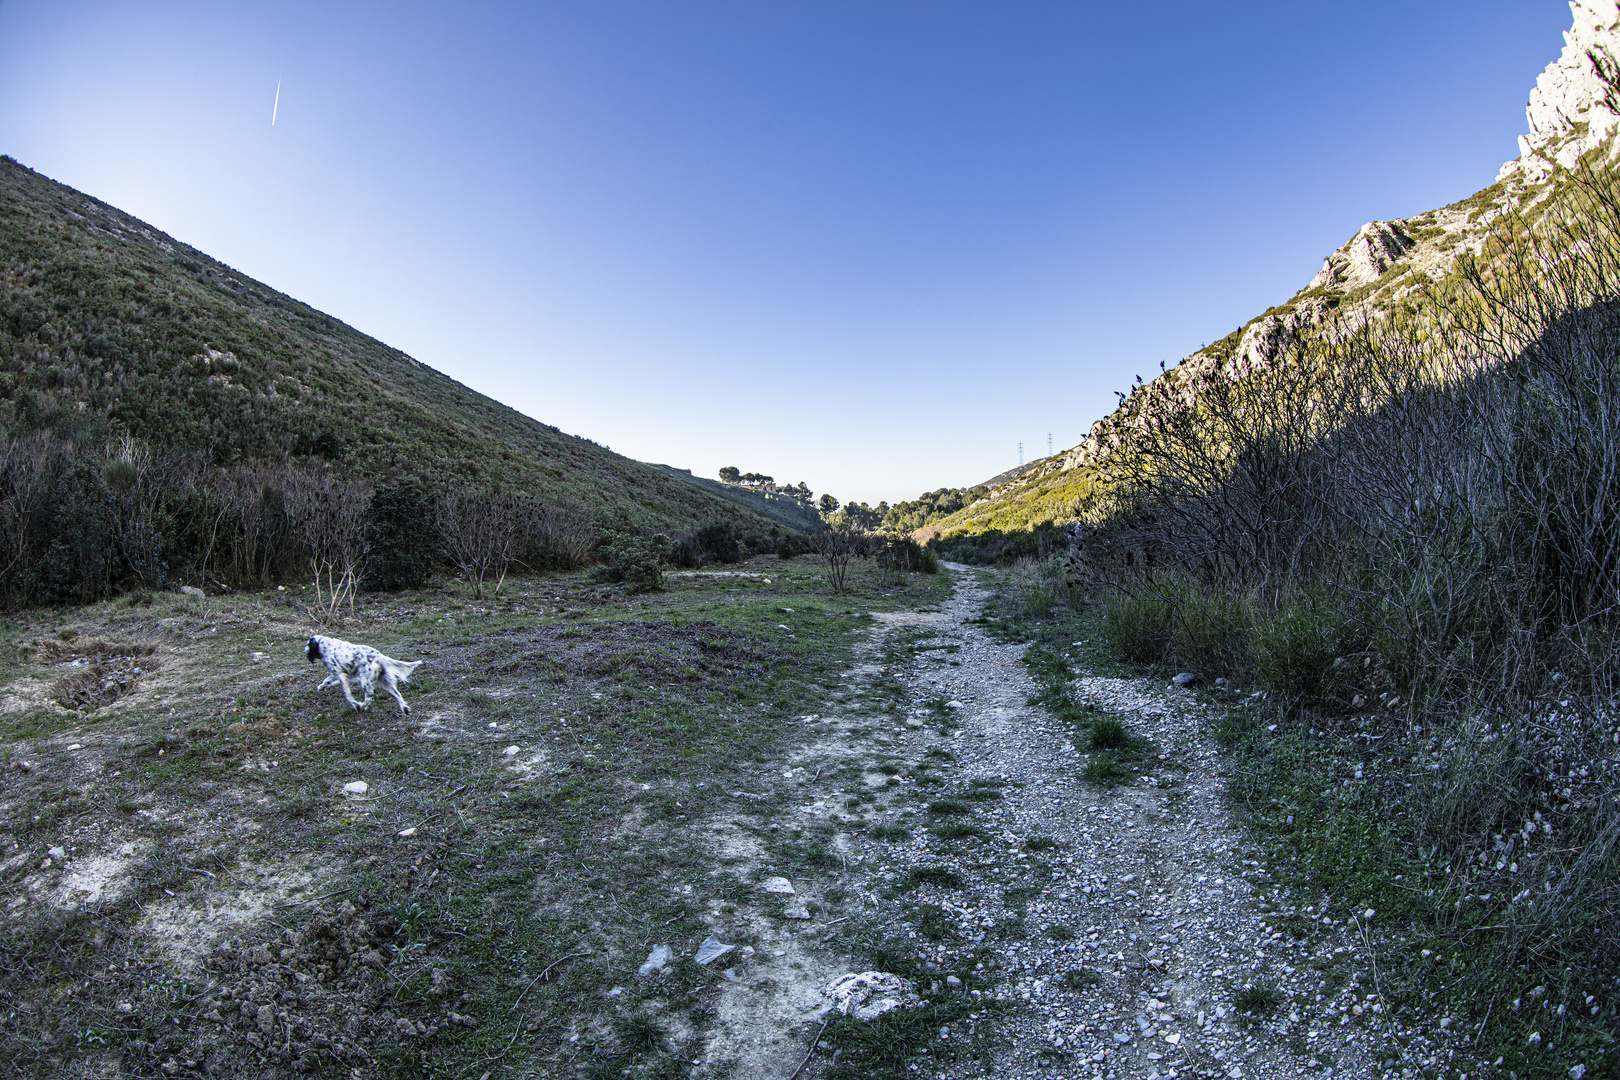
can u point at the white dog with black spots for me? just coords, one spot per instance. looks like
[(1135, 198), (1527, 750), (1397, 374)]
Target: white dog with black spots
[(345, 660)]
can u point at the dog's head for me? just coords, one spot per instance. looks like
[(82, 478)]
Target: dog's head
[(312, 650)]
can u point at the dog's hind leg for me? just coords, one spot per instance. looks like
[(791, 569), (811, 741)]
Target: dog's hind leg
[(348, 693), (392, 686)]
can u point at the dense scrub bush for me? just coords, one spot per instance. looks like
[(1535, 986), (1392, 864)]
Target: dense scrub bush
[(1137, 627), (1298, 656), (997, 548), (1211, 632), (1409, 528), (712, 542), (402, 536), (900, 556), (637, 561), (563, 535)]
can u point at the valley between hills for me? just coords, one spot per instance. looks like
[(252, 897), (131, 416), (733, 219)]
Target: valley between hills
[(1271, 731)]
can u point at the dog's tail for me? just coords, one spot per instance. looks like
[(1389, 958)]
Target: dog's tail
[(401, 669)]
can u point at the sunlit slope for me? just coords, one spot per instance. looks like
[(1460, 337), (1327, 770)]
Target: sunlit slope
[(108, 326), (1388, 270)]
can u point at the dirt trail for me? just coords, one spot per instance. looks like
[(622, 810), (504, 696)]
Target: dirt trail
[(1122, 950)]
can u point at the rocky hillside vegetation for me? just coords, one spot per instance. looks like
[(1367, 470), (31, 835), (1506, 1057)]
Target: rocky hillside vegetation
[(1388, 272)]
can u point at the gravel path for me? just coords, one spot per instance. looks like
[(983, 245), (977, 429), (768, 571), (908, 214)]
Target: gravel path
[(1123, 948), (1109, 932)]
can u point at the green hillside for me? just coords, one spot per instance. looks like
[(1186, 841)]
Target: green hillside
[(786, 512), (110, 327)]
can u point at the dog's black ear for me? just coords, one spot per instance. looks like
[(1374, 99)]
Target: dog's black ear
[(312, 650)]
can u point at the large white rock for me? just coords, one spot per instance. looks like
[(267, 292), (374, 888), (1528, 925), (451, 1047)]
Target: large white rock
[(870, 994)]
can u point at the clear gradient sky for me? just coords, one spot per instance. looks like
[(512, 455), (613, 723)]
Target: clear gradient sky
[(868, 245)]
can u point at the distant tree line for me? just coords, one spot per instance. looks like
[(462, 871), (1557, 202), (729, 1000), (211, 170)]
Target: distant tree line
[(930, 507), (799, 493)]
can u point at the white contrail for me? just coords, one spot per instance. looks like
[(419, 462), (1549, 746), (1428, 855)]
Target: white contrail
[(277, 104)]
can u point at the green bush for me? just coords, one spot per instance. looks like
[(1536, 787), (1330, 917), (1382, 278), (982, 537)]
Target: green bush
[(404, 539), (1296, 653), (1137, 629), (1039, 598), (637, 561), (1211, 633), (1104, 769), (712, 542), (1108, 733)]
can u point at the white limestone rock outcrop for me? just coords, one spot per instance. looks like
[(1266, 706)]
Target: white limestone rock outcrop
[(1574, 107), (1372, 251)]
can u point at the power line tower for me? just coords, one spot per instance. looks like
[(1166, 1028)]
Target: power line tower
[(1048, 444), (1020, 453)]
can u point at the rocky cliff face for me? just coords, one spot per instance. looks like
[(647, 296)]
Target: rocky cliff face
[(1574, 107), (1573, 111)]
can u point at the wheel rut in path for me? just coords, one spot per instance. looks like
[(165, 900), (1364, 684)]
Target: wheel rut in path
[(1098, 931)]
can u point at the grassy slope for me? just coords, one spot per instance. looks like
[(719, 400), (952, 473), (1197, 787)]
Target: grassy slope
[(781, 511), (106, 327)]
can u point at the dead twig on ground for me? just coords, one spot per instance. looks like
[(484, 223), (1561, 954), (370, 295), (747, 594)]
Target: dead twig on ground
[(312, 899), (542, 975), (811, 1052)]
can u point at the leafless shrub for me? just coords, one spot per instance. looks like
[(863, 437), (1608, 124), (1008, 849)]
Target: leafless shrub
[(142, 482), (483, 534), (329, 518), (28, 470), (836, 546), (250, 537), (564, 534)]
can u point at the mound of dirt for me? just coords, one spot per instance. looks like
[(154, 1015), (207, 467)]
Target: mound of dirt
[(313, 996), (98, 672)]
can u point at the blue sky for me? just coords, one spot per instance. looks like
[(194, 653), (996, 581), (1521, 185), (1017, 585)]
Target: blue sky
[(872, 246)]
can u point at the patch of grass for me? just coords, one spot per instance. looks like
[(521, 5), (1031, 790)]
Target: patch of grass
[(1108, 733), (889, 832), (1258, 999), (1060, 932), (1019, 895), (1138, 628), (637, 1032), (1040, 843), (961, 830), (1080, 978), (943, 807), (1105, 769), (934, 922), (895, 1044), (937, 875), (688, 691)]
